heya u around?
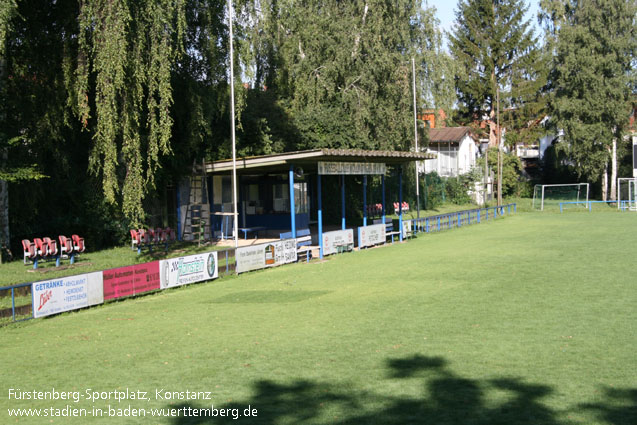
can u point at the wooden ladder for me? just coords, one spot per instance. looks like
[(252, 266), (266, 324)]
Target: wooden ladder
[(196, 226)]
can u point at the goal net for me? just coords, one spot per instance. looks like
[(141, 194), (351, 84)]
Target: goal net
[(627, 194), (551, 195)]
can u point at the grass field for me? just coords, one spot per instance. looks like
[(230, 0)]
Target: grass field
[(526, 320)]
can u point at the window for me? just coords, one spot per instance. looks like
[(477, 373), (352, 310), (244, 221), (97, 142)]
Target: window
[(281, 198), (300, 198), (226, 190)]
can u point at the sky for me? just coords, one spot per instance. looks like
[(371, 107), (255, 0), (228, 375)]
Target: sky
[(446, 8)]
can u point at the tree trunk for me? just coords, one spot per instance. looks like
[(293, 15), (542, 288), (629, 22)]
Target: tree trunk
[(5, 242), (613, 172), (605, 184)]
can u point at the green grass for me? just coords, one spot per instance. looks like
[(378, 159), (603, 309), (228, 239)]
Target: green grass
[(526, 320)]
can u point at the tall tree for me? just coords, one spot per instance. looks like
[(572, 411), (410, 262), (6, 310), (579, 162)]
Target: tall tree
[(129, 48), (495, 47), (341, 70), (592, 79), (14, 170)]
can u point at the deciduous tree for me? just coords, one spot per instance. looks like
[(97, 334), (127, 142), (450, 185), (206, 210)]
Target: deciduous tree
[(592, 79)]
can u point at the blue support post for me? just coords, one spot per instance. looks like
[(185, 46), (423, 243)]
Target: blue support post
[(459, 220), (478, 217), (365, 200), (400, 205), (227, 260), (515, 207), (292, 207), (13, 303), (343, 202), (509, 208), (438, 223), (382, 179), (426, 225), (72, 258), (57, 261), (320, 217)]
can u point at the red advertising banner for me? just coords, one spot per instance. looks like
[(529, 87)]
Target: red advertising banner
[(131, 280)]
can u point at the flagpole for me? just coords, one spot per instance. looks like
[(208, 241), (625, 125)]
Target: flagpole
[(413, 73), (232, 126)]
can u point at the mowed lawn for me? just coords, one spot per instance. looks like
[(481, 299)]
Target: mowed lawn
[(530, 319)]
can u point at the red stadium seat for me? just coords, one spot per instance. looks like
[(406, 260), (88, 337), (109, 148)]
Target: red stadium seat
[(136, 239), (30, 250), (52, 247), (66, 246), (78, 244), (41, 247)]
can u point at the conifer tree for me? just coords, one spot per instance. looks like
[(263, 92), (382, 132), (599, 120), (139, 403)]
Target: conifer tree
[(495, 47)]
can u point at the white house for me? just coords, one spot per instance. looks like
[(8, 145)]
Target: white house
[(455, 149)]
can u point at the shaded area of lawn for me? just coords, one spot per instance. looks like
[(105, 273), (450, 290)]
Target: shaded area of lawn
[(448, 399)]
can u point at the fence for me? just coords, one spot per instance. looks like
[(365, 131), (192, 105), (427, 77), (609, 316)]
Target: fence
[(16, 302), (447, 221), (74, 292), (624, 205)]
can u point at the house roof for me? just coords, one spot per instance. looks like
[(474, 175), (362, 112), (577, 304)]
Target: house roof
[(310, 158), (449, 134)]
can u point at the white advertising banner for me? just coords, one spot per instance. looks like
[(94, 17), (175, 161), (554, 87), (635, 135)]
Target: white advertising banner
[(95, 288), (332, 240), (190, 269), (58, 295), (351, 168), (371, 235), (406, 227), (270, 254)]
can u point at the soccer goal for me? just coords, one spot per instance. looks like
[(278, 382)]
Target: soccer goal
[(552, 194), (627, 193)]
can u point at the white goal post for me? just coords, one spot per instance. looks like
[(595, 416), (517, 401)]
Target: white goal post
[(627, 193), (572, 192)]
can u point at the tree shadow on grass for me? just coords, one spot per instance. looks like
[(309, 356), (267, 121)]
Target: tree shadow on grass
[(446, 399), (620, 409)]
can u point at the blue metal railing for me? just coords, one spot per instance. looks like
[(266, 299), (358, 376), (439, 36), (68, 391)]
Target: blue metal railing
[(12, 288), (452, 220), (624, 205)]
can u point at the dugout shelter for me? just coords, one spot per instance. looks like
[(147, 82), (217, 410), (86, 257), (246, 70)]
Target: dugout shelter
[(282, 191)]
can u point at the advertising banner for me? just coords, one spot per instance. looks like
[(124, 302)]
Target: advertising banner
[(371, 235), (351, 168), (407, 227), (190, 269), (95, 288), (131, 280), (270, 254), (332, 240), (58, 295)]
